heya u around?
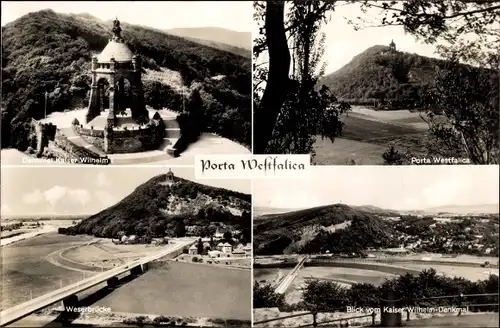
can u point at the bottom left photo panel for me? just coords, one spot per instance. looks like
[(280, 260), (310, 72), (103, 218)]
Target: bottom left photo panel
[(114, 246)]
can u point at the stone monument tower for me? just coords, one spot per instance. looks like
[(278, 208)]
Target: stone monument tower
[(169, 180), (392, 46), (115, 64)]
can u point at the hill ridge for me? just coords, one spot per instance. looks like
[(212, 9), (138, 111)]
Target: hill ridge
[(381, 76), (155, 208)]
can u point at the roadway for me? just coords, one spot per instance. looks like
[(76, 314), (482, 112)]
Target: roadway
[(287, 281), (22, 310)]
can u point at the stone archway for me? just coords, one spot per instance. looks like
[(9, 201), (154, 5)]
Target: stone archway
[(103, 93), (123, 95)]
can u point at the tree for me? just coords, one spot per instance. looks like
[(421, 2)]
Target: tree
[(199, 246), (469, 102), (228, 236), (323, 296), (180, 229), (428, 19), (265, 297), (392, 157), (291, 112)]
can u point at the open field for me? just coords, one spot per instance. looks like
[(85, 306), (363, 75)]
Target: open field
[(27, 273), (368, 133), (185, 289), (105, 254), (470, 273)]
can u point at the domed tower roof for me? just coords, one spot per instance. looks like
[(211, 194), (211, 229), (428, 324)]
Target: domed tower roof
[(116, 48)]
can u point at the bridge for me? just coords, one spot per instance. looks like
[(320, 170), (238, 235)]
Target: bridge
[(285, 282), (68, 294)]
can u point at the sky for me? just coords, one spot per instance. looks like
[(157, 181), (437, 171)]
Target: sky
[(388, 187), (78, 190), (343, 42), (234, 15)]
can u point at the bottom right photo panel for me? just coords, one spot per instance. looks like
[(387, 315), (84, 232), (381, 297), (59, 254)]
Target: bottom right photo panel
[(377, 246)]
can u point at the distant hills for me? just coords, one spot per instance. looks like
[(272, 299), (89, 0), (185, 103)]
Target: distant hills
[(156, 209), (228, 40), (381, 76), (466, 209), (350, 229)]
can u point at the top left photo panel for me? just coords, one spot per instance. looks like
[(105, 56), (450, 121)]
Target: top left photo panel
[(125, 83)]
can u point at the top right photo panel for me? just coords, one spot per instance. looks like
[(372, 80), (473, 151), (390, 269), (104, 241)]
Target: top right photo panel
[(377, 82)]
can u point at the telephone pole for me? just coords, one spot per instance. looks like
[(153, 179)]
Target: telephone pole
[(45, 110)]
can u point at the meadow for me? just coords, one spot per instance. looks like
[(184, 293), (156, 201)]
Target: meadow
[(27, 273), (368, 133), (185, 289)]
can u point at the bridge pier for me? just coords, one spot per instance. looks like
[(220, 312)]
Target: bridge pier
[(145, 267), (69, 302), (137, 270), (113, 282)]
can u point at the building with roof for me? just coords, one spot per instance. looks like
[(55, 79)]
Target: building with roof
[(193, 250), (227, 248), (215, 254), (248, 250)]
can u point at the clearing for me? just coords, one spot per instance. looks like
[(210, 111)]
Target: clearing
[(367, 135), (185, 289)]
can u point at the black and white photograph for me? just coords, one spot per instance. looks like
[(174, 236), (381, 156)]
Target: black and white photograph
[(377, 246), (98, 246), (125, 82), (377, 82)]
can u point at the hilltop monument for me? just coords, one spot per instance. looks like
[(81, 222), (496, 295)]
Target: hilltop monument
[(392, 46), (169, 177), (115, 65)]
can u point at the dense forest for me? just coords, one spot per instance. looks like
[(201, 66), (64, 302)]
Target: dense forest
[(343, 229), (46, 52), (389, 79), (156, 210)]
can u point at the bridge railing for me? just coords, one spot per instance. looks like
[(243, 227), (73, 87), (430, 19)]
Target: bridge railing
[(458, 300)]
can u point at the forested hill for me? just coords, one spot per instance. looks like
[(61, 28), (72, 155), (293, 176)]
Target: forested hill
[(334, 228), (50, 52), (379, 75), (157, 209)]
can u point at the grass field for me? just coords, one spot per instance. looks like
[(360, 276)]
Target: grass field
[(470, 273), (25, 268), (106, 254), (186, 289), (368, 133)]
